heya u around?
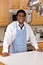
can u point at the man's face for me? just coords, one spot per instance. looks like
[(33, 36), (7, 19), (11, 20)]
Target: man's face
[(21, 18)]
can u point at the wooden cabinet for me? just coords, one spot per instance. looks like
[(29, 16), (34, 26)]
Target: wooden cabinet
[(30, 47), (1, 50), (4, 12), (40, 45), (14, 4), (1, 63), (18, 4), (24, 5), (41, 1), (36, 19)]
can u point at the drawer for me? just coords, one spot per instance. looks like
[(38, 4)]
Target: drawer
[(40, 44)]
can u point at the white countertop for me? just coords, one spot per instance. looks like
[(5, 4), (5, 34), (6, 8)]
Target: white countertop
[(25, 58)]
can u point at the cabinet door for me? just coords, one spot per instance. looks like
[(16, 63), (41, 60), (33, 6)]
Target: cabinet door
[(14, 4), (40, 45), (41, 1), (36, 19), (0, 50), (24, 4), (3, 12), (18, 4)]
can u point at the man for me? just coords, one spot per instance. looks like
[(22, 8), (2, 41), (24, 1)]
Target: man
[(17, 35)]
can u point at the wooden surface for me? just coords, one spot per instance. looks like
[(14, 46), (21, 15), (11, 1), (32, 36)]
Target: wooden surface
[(1, 63), (41, 1), (22, 4), (4, 12), (18, 4), (40, 45), (1, 50), (5, 5), (36, 19)]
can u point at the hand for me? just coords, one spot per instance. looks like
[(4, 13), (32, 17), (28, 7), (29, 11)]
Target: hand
[(5, 54), (40, 50)]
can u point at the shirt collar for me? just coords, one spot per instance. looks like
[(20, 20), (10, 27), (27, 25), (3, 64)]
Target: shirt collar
[(18, 26)]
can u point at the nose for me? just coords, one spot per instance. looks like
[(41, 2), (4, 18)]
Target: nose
[(21, 17)]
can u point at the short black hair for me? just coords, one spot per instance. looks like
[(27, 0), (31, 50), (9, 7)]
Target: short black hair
[(21, 11)]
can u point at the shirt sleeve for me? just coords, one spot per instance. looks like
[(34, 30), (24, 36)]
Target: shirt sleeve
[(32, 38), (8, 38)]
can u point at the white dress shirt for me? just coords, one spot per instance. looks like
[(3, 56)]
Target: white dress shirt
[(10, 35)]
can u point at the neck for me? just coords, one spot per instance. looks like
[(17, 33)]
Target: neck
[(21, 23)]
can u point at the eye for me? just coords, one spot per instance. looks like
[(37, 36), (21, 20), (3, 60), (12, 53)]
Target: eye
[(19, 15)]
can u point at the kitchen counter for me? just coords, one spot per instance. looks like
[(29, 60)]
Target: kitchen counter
[(25, 58)]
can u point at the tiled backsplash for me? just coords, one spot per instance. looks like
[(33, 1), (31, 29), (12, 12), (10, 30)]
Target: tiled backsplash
[(2, 30), (38, 27), (38, 31)]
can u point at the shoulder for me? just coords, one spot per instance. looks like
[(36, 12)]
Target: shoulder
[(27, 25), (11, 25)]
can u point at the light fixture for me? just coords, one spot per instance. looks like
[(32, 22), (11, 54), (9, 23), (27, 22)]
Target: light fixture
[(36, 4), (39, 10), (32, 3)]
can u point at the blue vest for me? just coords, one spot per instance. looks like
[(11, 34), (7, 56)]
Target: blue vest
[(19, 44)]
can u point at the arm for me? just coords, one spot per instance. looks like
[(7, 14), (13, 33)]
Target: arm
[(7, 41), (33, 40), (31, 36), (9, 38)]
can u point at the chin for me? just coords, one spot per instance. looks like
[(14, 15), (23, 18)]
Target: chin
[(21, 22)]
